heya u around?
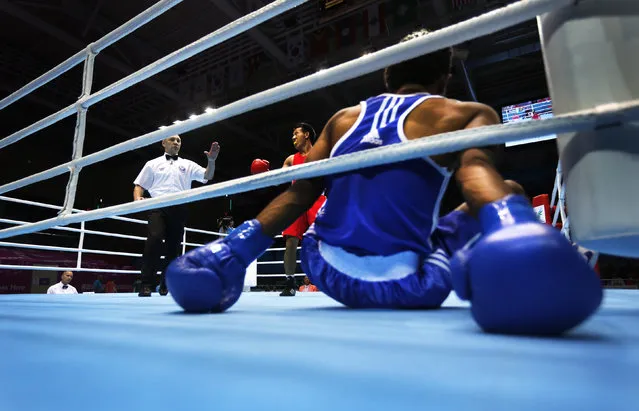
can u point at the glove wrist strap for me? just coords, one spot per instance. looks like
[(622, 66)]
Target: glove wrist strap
[(248, 241), (510, 210)]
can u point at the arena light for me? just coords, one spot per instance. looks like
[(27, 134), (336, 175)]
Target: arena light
[(209, 110), (162, 127), (193, 116), (329, 4)]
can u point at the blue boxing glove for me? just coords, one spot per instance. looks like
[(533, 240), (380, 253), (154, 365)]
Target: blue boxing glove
[(522, 276), (211, 278)]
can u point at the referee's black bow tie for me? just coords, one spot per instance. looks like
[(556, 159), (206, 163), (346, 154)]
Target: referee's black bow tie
[(64, 287), (170, 157)]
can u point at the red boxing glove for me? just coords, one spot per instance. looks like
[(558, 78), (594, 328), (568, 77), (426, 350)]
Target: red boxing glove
[(259, 166)]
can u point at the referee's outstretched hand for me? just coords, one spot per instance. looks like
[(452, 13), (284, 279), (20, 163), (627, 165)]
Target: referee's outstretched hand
[(213, 152)]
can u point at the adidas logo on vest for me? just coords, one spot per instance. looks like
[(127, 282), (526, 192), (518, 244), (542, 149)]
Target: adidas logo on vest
[(372, 138)]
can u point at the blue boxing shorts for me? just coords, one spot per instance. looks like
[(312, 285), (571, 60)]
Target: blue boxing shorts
[(403, 280)]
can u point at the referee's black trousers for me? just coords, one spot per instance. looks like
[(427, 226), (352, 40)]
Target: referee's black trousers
[(164, 224)]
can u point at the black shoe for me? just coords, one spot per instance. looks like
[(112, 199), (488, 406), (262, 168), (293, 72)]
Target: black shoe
[(290, 289), (145, 291), (289, 292), (164, 291)]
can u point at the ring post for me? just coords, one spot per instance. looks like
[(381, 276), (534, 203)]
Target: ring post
[(80, 132), (590, 52)]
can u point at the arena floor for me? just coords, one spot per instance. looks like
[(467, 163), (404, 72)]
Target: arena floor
[(118, 351)]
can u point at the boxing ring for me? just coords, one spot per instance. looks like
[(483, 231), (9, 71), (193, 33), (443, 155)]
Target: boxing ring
[(307, 352)]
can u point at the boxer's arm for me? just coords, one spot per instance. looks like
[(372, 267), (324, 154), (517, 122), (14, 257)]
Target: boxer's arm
[(479, 115), (288, 162), (437, 116), (514, 186), (476, 174), (299, 197)]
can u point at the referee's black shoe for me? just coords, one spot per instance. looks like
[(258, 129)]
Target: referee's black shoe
[(145, 290)]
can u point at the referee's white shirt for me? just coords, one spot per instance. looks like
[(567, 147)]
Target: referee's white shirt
[(161, 176), (59, 289)]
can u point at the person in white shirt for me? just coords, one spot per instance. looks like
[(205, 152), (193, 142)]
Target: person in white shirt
[(64, 286), (166, 175)]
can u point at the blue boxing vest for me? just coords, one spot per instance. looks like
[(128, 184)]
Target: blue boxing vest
[(387, 209)]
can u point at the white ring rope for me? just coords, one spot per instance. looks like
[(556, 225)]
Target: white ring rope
[(77, 230), (80, 250), (229, 31), (586, 120), (75, 210), (66, 249), (478, 26), (119, 218), (59, 269)]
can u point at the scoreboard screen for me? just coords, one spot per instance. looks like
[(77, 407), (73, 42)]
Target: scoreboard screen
[(528, 111)]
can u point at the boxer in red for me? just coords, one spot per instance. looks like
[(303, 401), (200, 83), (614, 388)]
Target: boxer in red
[(303, 138)]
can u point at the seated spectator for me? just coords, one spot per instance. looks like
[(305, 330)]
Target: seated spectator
[(307, 287), (98, 285), (110, 287)]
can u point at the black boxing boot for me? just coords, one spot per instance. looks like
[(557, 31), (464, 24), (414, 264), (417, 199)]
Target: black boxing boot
[(163, 289), (290, 287)]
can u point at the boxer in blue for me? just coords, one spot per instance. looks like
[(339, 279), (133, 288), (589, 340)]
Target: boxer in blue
[(378, 243)]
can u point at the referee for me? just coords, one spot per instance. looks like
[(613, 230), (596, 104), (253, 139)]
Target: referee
[(64, 286), (167, 174)]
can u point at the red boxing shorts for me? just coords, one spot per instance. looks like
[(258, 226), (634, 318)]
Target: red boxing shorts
[(299, 226)]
